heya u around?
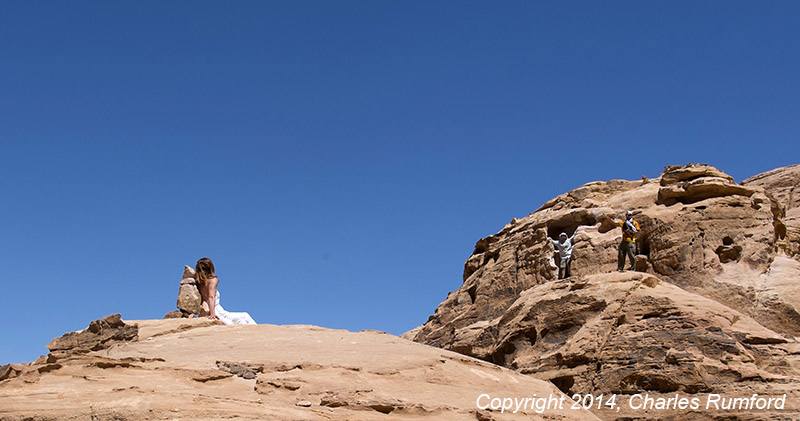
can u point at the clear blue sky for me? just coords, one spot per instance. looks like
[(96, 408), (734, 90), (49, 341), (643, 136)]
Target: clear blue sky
[(338, 160)]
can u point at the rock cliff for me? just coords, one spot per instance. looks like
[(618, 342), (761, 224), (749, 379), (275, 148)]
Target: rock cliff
[(713, 307)]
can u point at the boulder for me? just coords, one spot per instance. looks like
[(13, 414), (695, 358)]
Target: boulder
[(675, 174), (174, 314), (696, 182), (190, 302), (189, 299)]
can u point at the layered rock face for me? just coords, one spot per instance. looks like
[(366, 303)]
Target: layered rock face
[(784, 186), (714, 306), (199, 369)]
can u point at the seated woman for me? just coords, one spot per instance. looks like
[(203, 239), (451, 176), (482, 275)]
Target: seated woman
[(207, 283)]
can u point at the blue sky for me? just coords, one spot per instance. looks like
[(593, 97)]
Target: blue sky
[(338, 160)]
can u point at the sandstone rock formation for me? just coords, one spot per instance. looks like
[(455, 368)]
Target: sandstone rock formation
[(200, 369), (716, 307), (189, 298), (713, 308), (100, 334), (784, 186)]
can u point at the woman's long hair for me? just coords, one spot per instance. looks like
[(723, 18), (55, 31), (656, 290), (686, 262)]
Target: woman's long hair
[(204, 270)]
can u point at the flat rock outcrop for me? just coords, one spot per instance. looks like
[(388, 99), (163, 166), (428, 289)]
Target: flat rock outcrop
[(200, 369), (713, 307)]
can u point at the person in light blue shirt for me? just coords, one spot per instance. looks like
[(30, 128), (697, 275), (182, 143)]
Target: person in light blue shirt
[(564, 247)]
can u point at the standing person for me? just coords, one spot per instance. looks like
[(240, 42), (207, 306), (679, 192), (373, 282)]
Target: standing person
[(564, 247), (207, 282), (628, 245)]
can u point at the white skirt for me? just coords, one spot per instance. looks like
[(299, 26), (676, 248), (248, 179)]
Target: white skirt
[(231, 317)]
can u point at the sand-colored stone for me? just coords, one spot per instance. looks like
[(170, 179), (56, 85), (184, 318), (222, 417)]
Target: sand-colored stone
[(783, 184), (189, 299), (100, 334), (189, 302), (196, 369), (714, 308)]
